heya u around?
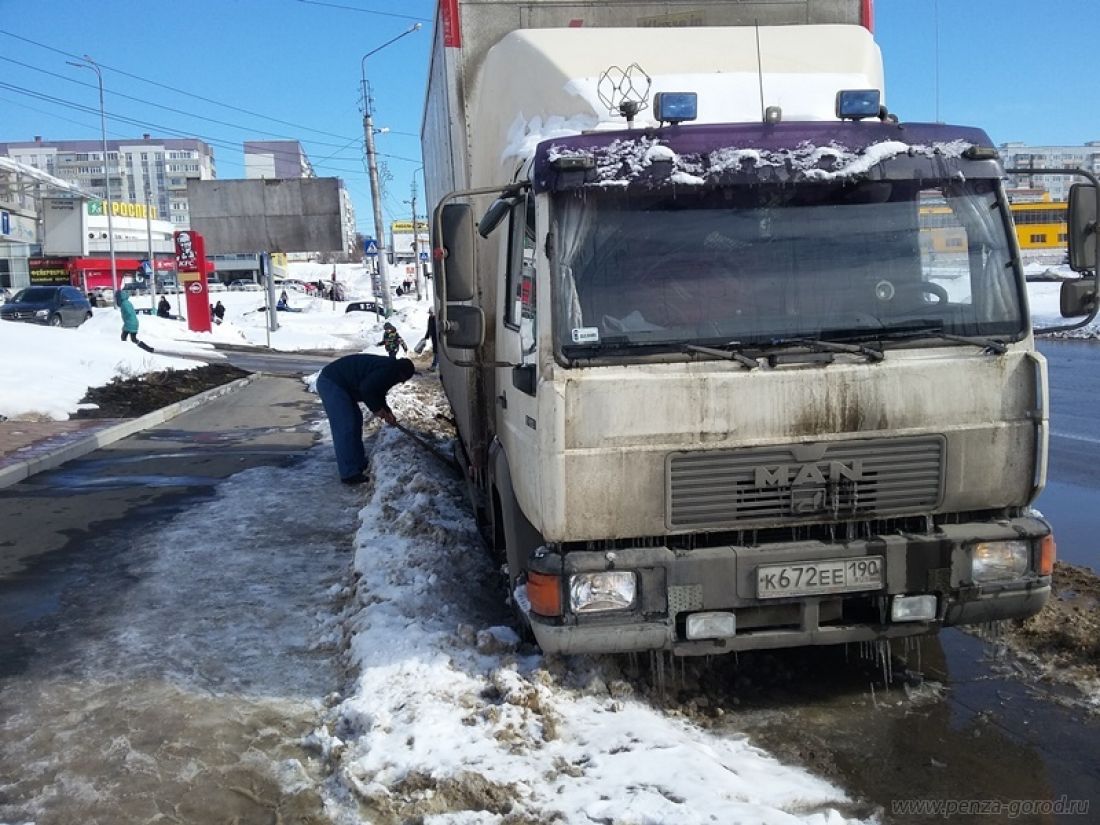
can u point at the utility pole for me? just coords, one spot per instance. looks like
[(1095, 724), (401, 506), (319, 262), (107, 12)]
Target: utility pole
[(376, 202), (416, 244), (372, 168), (152, 258), (91, 64)]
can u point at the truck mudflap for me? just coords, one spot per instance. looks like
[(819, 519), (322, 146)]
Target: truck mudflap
[(725, 598)]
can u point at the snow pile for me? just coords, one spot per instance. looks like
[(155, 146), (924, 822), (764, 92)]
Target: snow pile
[(451, 721), (46, 371), (628, 160)]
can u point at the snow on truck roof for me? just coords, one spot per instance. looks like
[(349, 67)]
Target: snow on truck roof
[(730, 153)]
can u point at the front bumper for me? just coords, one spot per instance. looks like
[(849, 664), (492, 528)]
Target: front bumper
[(25, 318), (674, 584)]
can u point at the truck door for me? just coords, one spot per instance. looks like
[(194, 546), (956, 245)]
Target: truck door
[(518, 343)]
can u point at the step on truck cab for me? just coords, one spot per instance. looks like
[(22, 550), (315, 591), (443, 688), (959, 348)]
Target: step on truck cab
[(737, 359)]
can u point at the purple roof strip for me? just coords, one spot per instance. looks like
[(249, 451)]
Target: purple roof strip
[(708, 154)]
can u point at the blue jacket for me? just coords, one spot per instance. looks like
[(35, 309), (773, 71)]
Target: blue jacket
[(129, 317), (365, 378)]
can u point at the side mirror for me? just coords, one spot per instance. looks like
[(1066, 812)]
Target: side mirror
[(465, 327), (1081, 223), (1078, 297), (457, 227), (497, 212)]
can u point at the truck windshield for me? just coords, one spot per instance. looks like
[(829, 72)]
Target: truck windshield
[(757, 264)]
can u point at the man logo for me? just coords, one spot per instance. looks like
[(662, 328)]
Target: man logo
[(821, 473)]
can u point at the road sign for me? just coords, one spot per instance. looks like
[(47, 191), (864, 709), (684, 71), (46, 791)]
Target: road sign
[(370, 247), (423, 257)]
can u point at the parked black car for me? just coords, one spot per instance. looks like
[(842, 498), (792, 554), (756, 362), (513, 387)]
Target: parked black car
[(54, 305)]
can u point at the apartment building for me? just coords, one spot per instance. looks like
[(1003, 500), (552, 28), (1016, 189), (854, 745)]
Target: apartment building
[(163, 165), (276, 159), (1037, 158)]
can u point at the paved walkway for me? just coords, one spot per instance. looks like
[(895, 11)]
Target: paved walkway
[(27, 440), (29, 447)]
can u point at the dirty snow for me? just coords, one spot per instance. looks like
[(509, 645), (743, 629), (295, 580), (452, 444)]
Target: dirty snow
[(626, 159), (451, 720)]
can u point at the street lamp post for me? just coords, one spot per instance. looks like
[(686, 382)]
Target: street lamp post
[(91, 64), (372, 168)]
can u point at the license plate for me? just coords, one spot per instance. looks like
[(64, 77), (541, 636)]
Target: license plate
[(813, 578)]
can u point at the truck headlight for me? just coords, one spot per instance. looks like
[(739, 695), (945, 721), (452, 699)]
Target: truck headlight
[(992, 561), (610, 590), (41, 313)]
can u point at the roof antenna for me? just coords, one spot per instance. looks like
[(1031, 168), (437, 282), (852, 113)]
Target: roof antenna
[(760, 73), (624, 91)]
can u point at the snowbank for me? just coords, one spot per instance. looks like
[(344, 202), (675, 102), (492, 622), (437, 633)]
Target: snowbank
[(449, 719)]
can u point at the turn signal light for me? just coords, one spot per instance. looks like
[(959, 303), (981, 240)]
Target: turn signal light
[(544, 593), (1047, 554)]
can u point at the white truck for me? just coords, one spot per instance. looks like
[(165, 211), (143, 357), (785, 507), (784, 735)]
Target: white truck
[(737, 360)]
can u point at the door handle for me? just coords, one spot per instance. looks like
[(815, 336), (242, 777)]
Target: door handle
[(502, 399)]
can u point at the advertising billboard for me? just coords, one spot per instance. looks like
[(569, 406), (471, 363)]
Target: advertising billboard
[(64, 227), (293, 215)]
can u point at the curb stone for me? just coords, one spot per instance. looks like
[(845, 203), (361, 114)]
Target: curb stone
[(22, 470)]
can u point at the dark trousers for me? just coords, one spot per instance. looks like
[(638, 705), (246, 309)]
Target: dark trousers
[(133, 337), (345, 419)]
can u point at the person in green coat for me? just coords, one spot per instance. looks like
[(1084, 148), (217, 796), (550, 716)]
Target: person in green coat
[(130, 320)]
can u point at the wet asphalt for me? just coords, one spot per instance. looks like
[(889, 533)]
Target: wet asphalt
[(161, 651)]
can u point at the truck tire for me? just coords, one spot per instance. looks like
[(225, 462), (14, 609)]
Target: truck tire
[(517, 536), (55, 320), (498, 547)]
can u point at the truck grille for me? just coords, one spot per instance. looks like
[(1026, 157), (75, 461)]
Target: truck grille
[(769, 486)]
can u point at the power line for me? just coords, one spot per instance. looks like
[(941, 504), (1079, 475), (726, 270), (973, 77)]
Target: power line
[(217, 142), (173, 88), (160, 105), (365, 11)]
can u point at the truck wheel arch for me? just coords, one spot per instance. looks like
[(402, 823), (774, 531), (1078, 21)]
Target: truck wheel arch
[(520, 537)]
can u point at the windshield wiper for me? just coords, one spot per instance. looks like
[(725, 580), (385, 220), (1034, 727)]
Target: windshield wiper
[(614, 344), (728, 354), (991, 345), (818, 345)]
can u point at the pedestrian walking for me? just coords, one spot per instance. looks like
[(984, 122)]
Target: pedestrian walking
[(345, 384), (219, 311), (431, 336), (164, 309), (130, 320), (391, 340)]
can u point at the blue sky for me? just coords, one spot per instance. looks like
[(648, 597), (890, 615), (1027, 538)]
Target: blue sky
[(291, 69)]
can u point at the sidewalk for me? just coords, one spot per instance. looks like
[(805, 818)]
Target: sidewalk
[(30, 447)]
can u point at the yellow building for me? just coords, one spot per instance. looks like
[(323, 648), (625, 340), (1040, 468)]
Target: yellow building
[(1040, 225)]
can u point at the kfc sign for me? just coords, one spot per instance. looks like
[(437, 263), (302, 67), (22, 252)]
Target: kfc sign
[(193, 269), (190, 251)]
